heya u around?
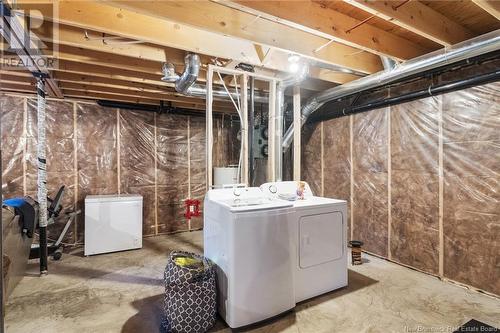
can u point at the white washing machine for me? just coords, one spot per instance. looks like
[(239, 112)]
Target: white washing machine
[(248, 236), (319, 240)]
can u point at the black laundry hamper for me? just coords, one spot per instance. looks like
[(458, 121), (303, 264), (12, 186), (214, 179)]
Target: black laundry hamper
[(190, 293)]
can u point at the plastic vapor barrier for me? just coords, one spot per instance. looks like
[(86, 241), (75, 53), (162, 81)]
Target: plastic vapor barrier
[(100, 150), (409, 163)]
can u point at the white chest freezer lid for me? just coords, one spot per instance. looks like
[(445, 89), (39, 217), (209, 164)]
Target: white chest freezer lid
[(113, 197)]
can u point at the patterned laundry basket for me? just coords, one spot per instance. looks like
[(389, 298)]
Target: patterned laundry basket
[(190, 293)]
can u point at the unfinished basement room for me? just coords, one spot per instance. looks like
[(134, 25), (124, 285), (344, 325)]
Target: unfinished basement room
[(298, 166)]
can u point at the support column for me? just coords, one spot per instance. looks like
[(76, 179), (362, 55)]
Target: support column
[(296, 134), (244, 129), (42, 175), (271, 137), (209, 128)]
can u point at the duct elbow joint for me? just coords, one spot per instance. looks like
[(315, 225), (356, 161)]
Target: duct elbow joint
[(190, 74)]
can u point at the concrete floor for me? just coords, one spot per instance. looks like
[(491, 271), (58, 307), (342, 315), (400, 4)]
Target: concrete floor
[(122, 292)]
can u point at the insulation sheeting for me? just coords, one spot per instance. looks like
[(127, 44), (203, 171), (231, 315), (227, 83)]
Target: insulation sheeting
[(172, 171), (471, 202), (369, 198), (137, 162), (197, 158), (311, 156), (100, 150), (97, 155), (425, 181), (13, 144), (337, 172), (415, 184)]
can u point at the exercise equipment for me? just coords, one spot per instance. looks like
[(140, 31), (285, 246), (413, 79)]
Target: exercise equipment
[(53, 211)]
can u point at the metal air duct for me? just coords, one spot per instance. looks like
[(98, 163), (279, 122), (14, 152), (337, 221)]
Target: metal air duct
[(470, 48), (191, 71)]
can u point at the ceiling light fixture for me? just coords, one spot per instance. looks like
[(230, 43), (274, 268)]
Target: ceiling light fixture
[(294, 63)]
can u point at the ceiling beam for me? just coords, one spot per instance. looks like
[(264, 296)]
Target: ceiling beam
[(159, 31), (110, 72), (489, 6), (133, 99), (244, 26), (75, 37), (128, 91), (14, 32), (105, 82), (28, 85), (21, 87), (119, 62), (80, 76), (319, 20), (128, 24), (417, 18), (17, 87)]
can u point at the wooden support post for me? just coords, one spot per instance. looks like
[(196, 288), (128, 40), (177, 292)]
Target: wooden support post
[(271, 158), (297, 125), (244, 128), (209, 129)]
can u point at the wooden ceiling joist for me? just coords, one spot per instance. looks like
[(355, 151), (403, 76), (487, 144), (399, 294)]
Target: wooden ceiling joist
[(317, 19), (21, 80), (14, 32), (105, 82), (230, 22), (71, 93), (17, 87), (110, 72), (119, 62), (417, 18), (490, 6), (133, 99), (161, 31), (74, 38), (115, 89), (165, 96), (28, 85)]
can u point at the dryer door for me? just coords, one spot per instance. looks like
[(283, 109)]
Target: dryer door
[(321, 239)]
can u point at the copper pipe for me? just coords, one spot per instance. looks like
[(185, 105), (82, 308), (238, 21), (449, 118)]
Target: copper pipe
[(372, 16), (360, 23)]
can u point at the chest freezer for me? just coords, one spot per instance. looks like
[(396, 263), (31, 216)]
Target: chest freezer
[(112, 223)]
